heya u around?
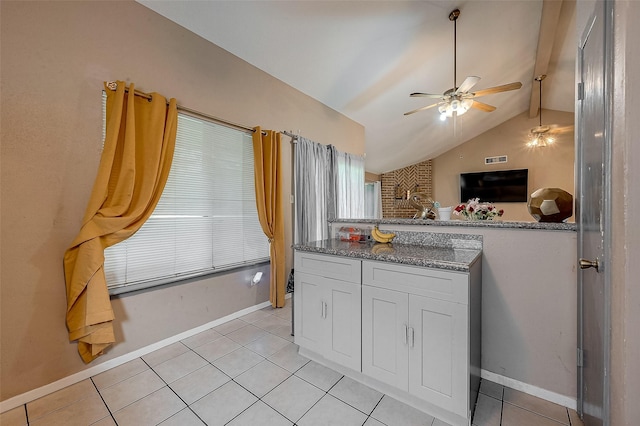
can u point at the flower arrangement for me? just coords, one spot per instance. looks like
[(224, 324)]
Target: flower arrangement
[(474, 210)]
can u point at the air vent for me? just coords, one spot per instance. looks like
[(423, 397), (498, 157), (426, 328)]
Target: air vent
[(494, 160)]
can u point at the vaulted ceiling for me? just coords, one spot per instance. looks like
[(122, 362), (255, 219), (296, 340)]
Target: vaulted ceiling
[(364, 58)]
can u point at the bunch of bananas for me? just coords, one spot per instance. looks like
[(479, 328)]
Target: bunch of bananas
[(382, 248), (382, 237)]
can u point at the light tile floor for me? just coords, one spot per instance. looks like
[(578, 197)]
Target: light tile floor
[(247, 372)]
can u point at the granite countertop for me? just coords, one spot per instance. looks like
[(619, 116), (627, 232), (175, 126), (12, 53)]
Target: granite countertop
[(563, 226), (440, 257)]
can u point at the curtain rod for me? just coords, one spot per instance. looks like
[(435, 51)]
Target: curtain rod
[(294, 137), (114, 85)]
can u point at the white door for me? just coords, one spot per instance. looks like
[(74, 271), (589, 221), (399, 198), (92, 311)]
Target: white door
[(343, 321), (385, 335), (310, 311), (438, 353), (593, 204)]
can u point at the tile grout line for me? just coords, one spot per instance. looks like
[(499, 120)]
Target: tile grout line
[(536, 413), (167, 384), (111, 414), (267, 333), (259, 399), (291, 373), (374, 409), (501, 405), (26, 414), (232, 379), (103, 401), (174, 392), (501, 408)]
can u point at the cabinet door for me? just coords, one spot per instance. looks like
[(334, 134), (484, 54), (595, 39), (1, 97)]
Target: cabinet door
[(384, 336), (309, 311), (343, 323), (438, 354)]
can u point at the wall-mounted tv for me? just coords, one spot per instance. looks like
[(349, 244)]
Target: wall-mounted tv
[(501, 186)]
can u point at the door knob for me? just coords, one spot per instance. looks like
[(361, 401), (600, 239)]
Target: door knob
[(586, 264)]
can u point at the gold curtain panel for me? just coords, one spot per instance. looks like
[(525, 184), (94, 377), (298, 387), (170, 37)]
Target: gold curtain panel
[(268, 180), (135, 163)]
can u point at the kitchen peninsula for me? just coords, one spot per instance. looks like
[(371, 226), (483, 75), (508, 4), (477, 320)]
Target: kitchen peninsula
[(529, 299), (403, 318)]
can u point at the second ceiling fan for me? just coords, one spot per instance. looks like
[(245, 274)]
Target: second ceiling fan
[(458, 100)]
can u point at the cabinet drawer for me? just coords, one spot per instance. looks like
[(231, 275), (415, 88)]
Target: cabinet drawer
[(437, 284), (340, 268)]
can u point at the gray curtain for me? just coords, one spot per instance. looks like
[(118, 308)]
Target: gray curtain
[(312, 189), (328, 184)]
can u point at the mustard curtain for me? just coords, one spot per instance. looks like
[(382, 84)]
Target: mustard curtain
[(138, 150), (267, 172)]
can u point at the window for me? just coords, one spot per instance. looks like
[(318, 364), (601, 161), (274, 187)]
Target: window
[(206, 220), (349, 170)]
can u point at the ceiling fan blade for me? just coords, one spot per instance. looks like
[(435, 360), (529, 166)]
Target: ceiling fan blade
[(467, 84), (482, 106), (560, 130), (425, 95), (420, 109), (498, 89)]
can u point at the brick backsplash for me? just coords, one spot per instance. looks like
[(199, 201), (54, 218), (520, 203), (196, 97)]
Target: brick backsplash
[(400, 181)]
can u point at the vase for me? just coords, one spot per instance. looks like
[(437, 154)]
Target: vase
[(444, 213)]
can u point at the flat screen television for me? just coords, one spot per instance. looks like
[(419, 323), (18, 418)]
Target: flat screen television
[(501, 186)]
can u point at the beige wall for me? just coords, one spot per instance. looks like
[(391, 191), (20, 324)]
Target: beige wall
[(371, 177), (55, 56), (552, 166)]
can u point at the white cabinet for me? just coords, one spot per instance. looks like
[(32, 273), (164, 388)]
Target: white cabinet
[(327, 310), (410, 331), (416, 344), (438, 353), (385, 334), (416, 335)]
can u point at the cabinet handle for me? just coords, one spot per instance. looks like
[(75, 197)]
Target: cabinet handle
[(324, 309), (406, 332), (321, 309), (412, 333)]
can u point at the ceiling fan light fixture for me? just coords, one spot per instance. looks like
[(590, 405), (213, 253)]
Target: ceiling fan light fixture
[(442, 109), (465, 104), (539, 136), (457, 106), (539, 140)]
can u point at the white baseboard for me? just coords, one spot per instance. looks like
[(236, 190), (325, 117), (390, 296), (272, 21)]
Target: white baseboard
[(565, 401), (34, 394)]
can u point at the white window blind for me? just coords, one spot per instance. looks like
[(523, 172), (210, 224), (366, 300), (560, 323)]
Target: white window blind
[(206, 219)]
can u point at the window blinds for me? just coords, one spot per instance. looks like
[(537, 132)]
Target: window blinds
[(206, 219)]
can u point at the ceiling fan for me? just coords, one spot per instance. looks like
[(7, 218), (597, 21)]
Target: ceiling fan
[(541, 136), (458, 100)]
